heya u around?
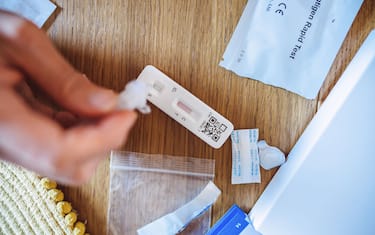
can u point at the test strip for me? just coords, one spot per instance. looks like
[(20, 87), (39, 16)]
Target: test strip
[(185, 108), (176, 221)]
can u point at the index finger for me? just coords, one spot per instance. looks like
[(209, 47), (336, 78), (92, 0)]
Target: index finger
[(29, 48), (38, 143)]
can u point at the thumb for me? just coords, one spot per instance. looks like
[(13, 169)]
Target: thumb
[(79, 95)]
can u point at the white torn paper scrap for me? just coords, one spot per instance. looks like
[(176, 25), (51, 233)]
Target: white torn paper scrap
[(36, 11), (245, 157)]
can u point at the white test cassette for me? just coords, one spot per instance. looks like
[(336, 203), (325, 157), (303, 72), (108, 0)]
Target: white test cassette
[(185, 108)]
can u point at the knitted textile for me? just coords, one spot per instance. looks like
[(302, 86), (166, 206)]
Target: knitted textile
[(25, 205)]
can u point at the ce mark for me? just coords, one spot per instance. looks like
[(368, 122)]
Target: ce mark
[(281, 9)]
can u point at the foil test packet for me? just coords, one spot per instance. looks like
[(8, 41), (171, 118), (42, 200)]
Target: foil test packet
[(289, 44)]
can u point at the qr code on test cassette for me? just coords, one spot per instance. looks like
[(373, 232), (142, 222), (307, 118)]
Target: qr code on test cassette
[(213, 128)]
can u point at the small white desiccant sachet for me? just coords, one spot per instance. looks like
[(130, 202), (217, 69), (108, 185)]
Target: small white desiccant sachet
[(245, 157), (289, 44)]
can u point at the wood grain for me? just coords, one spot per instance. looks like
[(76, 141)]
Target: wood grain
[(111, 42)]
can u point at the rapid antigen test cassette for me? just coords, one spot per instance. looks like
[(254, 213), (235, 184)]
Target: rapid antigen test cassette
[(185, 108)]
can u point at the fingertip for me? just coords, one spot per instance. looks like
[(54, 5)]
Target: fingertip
[(98, 137), (118, 127), (124, 119), (132, 115), (103, 100), (10, 25), (100, 100), (83, 174), (83, 97)]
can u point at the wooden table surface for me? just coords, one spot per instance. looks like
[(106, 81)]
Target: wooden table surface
[(112, 40)]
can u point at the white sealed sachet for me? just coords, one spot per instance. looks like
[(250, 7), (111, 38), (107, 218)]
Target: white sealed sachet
[(289, 44), (177, 220), (245, 158)]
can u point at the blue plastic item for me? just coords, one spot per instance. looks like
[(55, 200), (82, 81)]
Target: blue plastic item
[(233, 222)]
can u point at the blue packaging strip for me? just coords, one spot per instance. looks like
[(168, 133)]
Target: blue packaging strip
[(232, 223)]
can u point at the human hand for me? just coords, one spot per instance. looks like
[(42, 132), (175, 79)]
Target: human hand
[(32, 134)]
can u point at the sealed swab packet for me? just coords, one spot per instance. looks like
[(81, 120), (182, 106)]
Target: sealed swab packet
[(176, 221), (289, 44), (245, 157), (134, 97)]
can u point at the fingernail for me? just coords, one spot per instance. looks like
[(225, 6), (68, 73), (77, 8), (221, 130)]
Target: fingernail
[(105, 100)]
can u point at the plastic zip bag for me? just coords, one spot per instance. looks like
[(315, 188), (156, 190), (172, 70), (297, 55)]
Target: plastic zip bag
[(145, 187)]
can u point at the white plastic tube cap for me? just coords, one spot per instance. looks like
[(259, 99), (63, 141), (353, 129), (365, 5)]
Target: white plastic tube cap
[(270, 156), (134, 96)]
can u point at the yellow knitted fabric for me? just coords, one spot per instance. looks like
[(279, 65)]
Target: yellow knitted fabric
[(26, 207)]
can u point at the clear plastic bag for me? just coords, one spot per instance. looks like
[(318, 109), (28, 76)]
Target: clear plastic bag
[(145, 187)]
